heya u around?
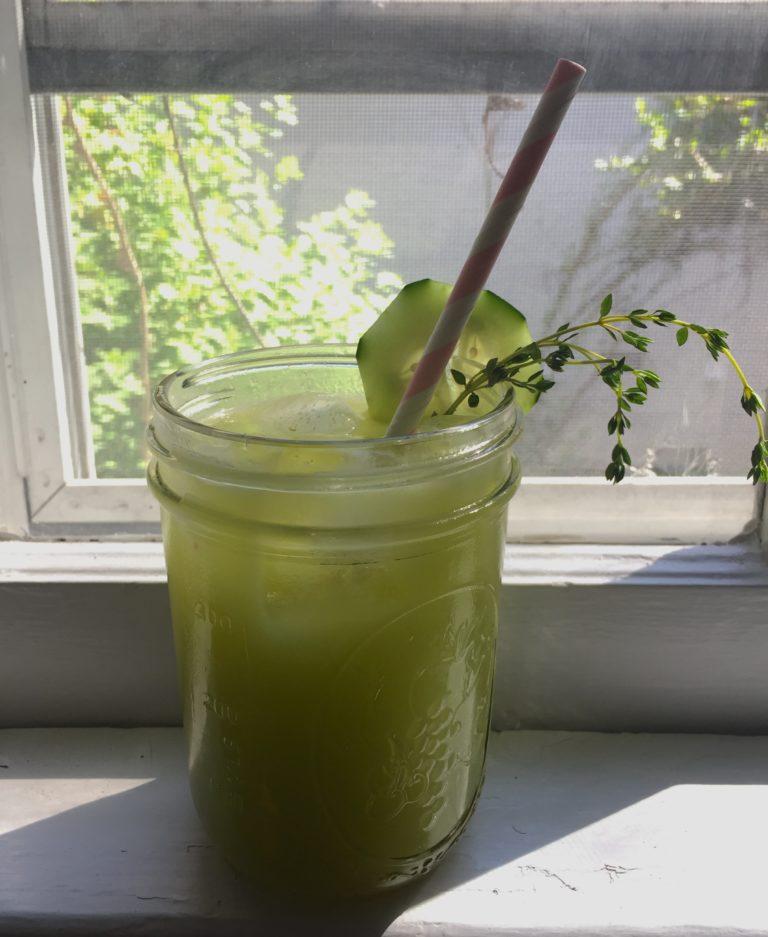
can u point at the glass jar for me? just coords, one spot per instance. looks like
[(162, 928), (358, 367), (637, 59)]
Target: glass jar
[(335, 611)]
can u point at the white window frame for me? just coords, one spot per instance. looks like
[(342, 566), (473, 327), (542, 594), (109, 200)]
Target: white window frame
[(627, 637), (44, 411)]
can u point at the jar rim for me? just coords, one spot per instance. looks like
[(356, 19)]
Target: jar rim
[(297, 354)]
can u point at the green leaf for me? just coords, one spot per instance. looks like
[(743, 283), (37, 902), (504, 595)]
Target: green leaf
[(713, 351), (531, 351), (614, 472), (620, 454), (287, 169), (329, 269), (458, 377), (682, 336), (554, 361), (637, 341), (751, 402), (496, 374), (606, 305), (650, 377)]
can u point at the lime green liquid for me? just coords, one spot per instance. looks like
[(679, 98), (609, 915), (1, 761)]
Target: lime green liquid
[(336, 685)]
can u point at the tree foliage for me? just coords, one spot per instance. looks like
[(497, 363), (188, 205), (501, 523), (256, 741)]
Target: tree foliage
[(706, 162), (183, 250)]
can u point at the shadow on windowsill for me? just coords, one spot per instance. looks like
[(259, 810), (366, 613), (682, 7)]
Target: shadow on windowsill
[(138, 860)]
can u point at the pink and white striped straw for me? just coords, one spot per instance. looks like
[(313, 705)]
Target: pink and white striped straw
[(545, 122)]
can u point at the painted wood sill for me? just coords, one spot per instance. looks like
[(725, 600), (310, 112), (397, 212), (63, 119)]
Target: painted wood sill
[(547, 564), (576, 834), (606, 638)]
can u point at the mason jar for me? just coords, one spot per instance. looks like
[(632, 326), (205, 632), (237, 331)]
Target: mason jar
[(334, 609)]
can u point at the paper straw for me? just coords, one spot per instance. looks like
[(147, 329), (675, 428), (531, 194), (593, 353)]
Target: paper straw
[(555, 101)]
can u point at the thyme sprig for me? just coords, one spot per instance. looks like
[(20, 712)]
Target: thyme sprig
[(630, 385)]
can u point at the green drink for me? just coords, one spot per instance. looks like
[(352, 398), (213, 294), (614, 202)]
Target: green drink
[(334, 603)]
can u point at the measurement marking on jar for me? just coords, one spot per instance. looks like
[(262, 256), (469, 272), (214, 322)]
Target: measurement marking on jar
[(232, 752), (221, 789), (206, 615), (224, 711)]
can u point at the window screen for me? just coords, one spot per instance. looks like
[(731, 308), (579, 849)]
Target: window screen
[(203, 223)]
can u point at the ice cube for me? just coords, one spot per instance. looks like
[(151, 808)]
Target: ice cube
[(305, 416)]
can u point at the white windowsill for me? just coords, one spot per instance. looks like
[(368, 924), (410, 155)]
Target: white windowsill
[(608, 638), (576, 835), (524, 564)]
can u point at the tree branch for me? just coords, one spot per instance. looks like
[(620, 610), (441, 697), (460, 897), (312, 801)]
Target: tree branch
[(583, 255), (495, 103), (199, 223), (127, 250)]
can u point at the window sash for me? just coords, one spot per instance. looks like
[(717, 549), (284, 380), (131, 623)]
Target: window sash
[(35, 457), (401, 46), (45, 415), (54, 195)]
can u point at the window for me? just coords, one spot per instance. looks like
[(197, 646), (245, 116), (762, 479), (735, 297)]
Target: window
[(182, 179)]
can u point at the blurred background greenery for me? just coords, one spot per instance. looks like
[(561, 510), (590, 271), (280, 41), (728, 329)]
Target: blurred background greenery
[(182, 251), (184, 246)]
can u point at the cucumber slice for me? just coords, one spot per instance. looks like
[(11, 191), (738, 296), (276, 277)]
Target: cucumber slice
[(389, 351)]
